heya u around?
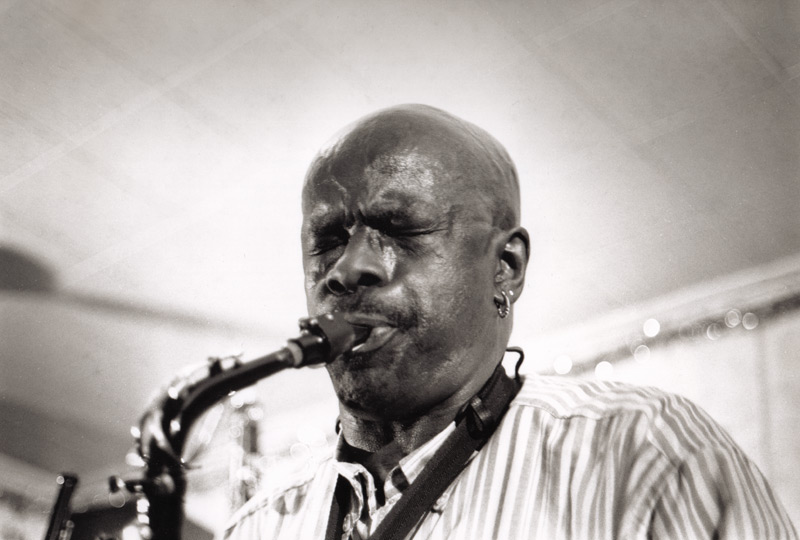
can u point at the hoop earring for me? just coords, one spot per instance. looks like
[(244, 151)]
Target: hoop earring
[(504, 306)]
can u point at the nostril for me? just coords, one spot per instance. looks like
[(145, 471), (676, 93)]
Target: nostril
[(340, 286), (369, 280), (336, 286)]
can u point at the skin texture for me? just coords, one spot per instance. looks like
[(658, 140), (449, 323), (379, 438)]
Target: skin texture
[(411, 228)]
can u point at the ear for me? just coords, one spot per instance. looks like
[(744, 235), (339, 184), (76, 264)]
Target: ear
[(513, 262)]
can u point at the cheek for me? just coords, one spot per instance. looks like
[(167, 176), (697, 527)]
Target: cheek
[(389, 260), (314, 275), (464, 295), (449, 295), (316, 267)]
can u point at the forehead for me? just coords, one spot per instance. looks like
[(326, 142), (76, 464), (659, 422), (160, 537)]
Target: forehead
[(388, 182)]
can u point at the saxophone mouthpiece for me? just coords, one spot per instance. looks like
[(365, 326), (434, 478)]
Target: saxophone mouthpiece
[(327, 337)]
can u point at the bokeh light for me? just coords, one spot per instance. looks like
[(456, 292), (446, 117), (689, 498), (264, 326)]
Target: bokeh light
[(749, 321), (714, 331), (562, 364), (604, 370), (733, 318), (641, 353), (651, 327)]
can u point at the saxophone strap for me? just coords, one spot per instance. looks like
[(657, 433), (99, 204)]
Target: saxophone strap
[(474, 425)]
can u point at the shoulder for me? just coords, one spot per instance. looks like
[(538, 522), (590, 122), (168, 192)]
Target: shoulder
[(671, 424), (669, 460), (564, 397)]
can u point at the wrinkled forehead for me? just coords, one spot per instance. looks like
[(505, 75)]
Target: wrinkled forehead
[(395, 181), (394, 172)]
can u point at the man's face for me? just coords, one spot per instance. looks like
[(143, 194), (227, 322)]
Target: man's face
[(406, 249)]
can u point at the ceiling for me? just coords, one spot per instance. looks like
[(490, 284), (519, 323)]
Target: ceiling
[(152, 155)]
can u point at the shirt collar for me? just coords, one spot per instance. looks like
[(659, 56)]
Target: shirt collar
[(399, 477)]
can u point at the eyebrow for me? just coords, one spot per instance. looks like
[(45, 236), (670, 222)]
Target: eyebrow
[(405, 221), (325, 223)]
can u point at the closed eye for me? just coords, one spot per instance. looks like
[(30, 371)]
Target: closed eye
[(410, 233), (326, 239), (319, 247)]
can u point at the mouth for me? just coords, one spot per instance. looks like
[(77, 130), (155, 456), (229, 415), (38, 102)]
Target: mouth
[(373, 332), (376, 337)]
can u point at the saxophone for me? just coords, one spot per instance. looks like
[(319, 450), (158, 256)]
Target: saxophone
[(164, 427)]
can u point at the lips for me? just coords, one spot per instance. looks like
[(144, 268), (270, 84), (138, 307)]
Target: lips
[(378, 331), (377, 338)]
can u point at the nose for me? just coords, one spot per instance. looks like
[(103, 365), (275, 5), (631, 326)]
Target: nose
[(361, 265)]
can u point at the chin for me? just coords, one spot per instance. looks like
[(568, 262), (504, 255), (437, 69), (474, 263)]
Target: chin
[(363, 382), (368, 401)]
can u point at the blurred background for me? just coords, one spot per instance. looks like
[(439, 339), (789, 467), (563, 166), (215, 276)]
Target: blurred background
[(150, 169)]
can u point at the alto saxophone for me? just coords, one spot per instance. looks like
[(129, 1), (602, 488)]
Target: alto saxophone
[(164, 427)]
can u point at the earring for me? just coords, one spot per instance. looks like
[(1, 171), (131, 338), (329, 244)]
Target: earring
[(504, 305)]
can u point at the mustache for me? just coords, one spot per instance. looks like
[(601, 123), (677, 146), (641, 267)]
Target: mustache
[(401, 317)]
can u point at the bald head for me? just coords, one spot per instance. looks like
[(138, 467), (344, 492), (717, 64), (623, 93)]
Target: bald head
[(419, 141)]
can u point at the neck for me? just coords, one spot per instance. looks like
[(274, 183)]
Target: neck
[(386, 441), (370, 433), (380, 445)]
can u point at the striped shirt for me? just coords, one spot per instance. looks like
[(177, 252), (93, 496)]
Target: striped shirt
[(365, 512), (570, 460)]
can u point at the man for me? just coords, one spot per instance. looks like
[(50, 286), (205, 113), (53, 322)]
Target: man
[(411, 230)]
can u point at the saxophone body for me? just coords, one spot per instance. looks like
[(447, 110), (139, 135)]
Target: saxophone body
[(164, 427)]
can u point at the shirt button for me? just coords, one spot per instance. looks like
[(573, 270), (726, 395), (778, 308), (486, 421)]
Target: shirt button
[(441, 503)]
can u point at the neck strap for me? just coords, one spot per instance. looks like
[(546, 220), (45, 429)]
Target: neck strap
[(474, 425)]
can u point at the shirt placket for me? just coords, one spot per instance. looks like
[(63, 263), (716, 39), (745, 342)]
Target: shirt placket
[(362, 500)]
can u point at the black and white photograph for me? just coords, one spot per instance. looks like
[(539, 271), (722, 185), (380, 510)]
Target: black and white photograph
[(464, 270)]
